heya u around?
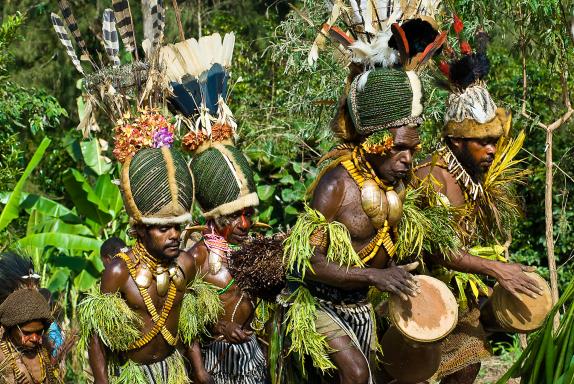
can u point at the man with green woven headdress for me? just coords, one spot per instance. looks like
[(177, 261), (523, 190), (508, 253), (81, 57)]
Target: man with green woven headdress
[(467, 174), (347, 240), (227, 196), (139, 325)]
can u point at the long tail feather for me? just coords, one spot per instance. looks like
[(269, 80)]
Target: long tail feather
[(158, 17), (72, 25), (65, 40), (124, 23), (111, 40)]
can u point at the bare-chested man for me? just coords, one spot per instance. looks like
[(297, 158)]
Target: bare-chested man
[(473, 126), (232, 354), (344, 243), (133, 323)]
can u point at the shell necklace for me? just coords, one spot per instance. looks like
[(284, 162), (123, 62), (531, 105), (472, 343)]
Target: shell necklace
[(149, 268)]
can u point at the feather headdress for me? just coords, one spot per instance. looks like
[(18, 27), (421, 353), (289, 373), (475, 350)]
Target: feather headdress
[(471, 111), (120, 90), (383, 33), (199, 71)]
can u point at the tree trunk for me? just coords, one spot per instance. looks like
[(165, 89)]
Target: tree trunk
[(549, 219)]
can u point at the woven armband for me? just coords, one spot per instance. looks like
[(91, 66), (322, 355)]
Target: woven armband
[(319, 239)]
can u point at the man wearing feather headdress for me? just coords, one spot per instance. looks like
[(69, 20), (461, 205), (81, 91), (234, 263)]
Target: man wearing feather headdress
[(226, 193), (145, 316), (25, 317), (463, 174), (346, 241), (232, 353), (136, 327)]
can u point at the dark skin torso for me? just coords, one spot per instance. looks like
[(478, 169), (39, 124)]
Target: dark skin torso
[(511, 276), (116, 278), (230, 299), (339, 199)]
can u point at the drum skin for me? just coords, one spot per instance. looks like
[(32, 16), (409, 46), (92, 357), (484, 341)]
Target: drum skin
[(407, 361), (430, 316), (523, 313)]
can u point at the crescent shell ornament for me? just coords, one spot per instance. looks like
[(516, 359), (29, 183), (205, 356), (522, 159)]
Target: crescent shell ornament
[(374, 203), (395, 208), (144, 277)]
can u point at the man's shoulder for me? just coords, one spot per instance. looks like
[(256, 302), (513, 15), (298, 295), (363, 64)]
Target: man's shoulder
[(115, 275), (331, 190), (433, 165)]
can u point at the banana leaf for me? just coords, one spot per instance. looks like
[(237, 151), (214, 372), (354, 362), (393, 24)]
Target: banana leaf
[(85, 199), (12, 209)]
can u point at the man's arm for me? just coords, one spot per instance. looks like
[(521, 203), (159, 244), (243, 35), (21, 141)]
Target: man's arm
[(199, 373), (510, 276), (328, 199), (114, 277)]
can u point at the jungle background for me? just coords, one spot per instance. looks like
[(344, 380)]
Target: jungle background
[(59, 202)]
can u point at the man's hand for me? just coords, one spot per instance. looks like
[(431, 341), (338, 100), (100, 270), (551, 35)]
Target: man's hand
[(201, 376), (512, 278), (396, 280), (232, 332)]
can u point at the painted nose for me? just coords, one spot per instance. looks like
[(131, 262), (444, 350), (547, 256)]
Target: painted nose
[(245, 222), (35, 338)]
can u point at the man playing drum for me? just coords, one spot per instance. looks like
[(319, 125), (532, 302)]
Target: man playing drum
[(346, 240), (459, 172)]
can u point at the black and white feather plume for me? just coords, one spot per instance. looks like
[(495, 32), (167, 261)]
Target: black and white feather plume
[(16, 271), (158, 19), (124, 24), (72, 25), (64, 37), (110, 34)]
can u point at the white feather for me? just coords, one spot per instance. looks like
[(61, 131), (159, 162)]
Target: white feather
[(227, 50), (362, 81), (377, 52)]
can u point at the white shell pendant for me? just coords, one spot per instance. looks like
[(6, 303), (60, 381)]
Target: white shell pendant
[(395, 208), (162, 279), (214, 262), (144, 276), (374, 203)]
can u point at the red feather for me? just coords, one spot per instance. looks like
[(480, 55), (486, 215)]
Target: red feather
[(457, 25), (402, 42), (444, 68), (338, 35), (431, 49)]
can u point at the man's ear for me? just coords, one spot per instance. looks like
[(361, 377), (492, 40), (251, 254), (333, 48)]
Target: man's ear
[(141, 231), (457, 143)]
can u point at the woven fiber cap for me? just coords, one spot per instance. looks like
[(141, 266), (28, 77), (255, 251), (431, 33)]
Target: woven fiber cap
[(24, 305), (385, 98), (472, 114), (157, 187), (224, 181)]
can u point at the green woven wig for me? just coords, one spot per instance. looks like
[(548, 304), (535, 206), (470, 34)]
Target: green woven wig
[(384, 98), (224, 181), (157, 187)]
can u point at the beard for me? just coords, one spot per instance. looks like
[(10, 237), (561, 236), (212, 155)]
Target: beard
[(473, 168)]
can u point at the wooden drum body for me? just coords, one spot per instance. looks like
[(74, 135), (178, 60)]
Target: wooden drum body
[(411, 347), (506, 312)]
